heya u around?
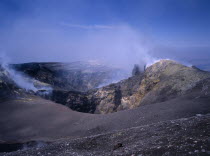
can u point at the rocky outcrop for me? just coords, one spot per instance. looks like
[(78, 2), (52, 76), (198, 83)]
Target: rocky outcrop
[(168, 79), (108, 99), (77, 101), (116, 97), (160, 82)]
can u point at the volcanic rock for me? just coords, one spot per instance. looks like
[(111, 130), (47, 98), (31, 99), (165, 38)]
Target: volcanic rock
[(160, 82)]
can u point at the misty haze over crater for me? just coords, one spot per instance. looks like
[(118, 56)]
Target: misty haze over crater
[(68, 31)]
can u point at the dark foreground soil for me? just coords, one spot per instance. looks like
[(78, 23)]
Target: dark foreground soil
[(186, 136)]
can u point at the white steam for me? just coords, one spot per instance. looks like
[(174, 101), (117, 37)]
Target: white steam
[(153, 61), (20, 79), (120, 45)]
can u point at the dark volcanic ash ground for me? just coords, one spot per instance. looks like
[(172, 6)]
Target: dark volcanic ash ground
[(162, 111), (186, 136)]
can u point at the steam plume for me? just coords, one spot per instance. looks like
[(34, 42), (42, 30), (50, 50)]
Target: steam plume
[(20, 79)]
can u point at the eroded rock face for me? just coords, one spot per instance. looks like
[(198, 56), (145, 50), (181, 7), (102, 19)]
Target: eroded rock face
[(168, 79), (77, 101), (116, 97), (160, 82)]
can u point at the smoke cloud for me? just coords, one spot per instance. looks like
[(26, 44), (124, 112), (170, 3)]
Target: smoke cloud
[(120, 45), (20, 79)]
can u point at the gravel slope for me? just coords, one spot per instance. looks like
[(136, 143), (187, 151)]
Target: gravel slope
[(186, 136), (33, 118)]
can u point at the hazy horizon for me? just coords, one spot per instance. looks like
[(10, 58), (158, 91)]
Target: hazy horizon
[(120, 33)]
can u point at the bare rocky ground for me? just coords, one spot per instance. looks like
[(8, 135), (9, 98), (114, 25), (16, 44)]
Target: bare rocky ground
[(185, 136), (172, 117)]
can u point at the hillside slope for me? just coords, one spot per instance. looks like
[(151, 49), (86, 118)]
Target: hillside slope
[(32, 118), (186, 136)]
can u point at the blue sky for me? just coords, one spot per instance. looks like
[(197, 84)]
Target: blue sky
[(160, 23)]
